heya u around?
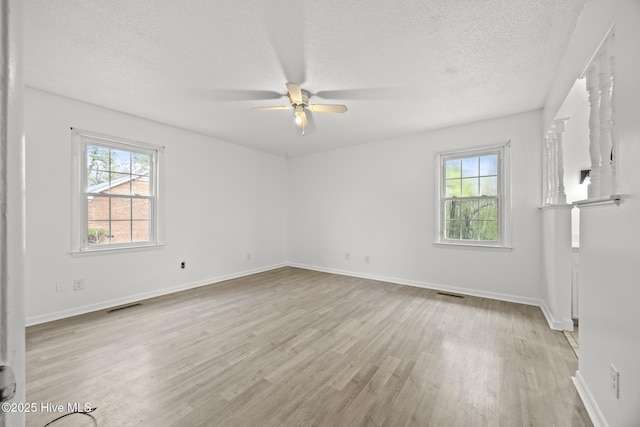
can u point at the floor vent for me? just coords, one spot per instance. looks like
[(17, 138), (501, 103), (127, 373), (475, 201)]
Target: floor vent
[(123, 307), (450, 295)]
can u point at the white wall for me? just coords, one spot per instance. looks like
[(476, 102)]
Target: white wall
[(378, 200), (222, 202), (610, 236)]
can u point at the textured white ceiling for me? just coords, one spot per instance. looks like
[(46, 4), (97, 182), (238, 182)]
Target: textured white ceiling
[(401, 66)]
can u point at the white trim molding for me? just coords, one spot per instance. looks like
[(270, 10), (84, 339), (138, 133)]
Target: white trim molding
[(555, 324), (48, 317), (589, 402), (426, 285)]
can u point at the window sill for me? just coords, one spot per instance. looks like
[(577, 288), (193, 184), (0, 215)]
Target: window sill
[(473, 246), (119, 249)]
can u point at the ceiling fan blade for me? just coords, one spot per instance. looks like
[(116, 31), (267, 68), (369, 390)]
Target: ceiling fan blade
[(295, 92), (327, 108), (363, 94), (285, 29), (311, 124), (236, 94), (283, 107)]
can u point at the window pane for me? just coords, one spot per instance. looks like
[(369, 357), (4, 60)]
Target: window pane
[(97, 180), (470, 167), (452, 209), (140, 185), (471, 220), (470, 187), (98, 158), (468, 209), (121, 231), (488, 210), (120, 184), (452, 230), (97, 165), (453, 188), (468, 230), (489, 165), (120, 208), (452, 168), (98, 232), (140, 231), (489, 186), (97, 208), (140, 163), (141, 209), (488, 230), (120, 161)]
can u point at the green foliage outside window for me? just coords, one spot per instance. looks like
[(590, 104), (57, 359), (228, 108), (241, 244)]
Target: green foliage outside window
[(106, 164), (96, 235)]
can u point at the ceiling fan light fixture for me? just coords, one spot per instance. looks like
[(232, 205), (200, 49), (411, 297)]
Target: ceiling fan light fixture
[(299, 111)]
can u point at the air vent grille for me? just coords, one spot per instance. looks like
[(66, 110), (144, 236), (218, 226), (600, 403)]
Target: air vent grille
[(450, 295), (111, 310)]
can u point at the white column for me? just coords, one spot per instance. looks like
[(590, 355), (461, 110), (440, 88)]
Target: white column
[(558, 132), (546, 187), (553, 165), (594, 134), (614, 130)]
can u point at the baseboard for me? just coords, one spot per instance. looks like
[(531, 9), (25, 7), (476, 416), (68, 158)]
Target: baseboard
[(426, 285), (556, 325), (48, 317), (589, 402)]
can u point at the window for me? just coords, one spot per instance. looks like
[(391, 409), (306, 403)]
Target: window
[(117, 193), (473, 203)]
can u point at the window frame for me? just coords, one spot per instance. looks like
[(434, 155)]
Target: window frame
[(503, 195), (82, 139)]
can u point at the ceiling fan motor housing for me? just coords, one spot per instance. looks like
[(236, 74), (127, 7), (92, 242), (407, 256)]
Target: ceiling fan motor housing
[(305, 99)]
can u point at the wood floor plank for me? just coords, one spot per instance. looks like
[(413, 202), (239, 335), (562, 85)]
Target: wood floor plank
[(293, 347)]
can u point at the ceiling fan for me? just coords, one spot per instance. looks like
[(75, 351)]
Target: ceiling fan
[(299, 100)]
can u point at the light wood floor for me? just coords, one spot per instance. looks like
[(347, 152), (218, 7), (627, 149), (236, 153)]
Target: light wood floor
[(572, 337), (292, 347)]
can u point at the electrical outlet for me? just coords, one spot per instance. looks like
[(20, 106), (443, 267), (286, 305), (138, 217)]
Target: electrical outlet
[(59, 286), (614, 381), (183, 265), (347, 256), (78, 285), (366, 259)]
